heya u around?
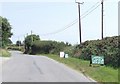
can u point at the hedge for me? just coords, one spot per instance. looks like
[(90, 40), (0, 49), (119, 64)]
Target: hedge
[(108, 47), (45, 47)]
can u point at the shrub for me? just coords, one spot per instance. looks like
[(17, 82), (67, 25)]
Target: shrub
[(18, 48), (45, 47), (108, 47)]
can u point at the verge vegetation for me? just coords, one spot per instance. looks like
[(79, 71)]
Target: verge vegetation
[(101, 74), (80, 55), (108, 47), (4, 53), (14, 47)]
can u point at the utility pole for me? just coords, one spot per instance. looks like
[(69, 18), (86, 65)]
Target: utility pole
[(19, 42), (31, 32), (102, 20), (31, 36), (24, 43), (27, 34), (79, 20)]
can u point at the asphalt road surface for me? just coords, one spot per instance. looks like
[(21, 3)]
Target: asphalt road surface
[(29, 68)]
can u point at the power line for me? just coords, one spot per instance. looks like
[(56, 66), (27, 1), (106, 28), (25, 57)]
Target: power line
[(84, 15), (90, 11), (74, 22), (60, 30)]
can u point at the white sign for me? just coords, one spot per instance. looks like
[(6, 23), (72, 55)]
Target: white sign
[(62, 54), (97, 59), (66, 55)]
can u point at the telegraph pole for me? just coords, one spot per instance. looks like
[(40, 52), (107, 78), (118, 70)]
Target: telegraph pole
[(79, 21), (24, 43), (31, 36), (19, 42), (102, 20), (31, 32)]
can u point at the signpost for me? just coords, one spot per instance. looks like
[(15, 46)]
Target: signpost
[(66, 55), (97, 59), (62, 54)]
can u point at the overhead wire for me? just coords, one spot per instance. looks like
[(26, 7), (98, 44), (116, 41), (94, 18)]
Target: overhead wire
[(75, 21), (90, 10), (60, 30)]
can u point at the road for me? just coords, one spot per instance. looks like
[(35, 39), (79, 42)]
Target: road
[(29, 68)]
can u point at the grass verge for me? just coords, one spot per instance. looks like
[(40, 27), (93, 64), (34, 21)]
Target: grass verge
[(4, 53), (98, 73)]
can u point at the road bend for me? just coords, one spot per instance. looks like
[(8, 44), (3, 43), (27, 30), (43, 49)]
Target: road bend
[(29, 68)]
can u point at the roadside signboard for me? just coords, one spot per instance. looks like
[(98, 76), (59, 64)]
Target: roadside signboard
[(66, 55), (62, 54), (97, 59)]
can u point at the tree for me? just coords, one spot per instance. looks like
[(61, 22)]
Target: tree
[(5, 31), (0, 35), (18, 43), (52, 47), (29, 41)]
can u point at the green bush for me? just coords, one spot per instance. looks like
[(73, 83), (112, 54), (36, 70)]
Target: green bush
[(108, 47), (29, 42), (69, 50), (4, 53), (18, 48), (45, 47)]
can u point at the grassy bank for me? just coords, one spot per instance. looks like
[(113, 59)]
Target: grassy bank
[(17, 48), (4, 53), (98, 73)]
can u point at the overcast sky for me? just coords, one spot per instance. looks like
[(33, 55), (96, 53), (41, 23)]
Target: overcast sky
[(45, 17)]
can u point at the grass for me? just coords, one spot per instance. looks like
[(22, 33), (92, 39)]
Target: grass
[(14, 47), (98, 73), (4, 53)]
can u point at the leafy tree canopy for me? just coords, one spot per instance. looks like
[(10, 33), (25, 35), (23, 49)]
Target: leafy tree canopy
[(5, 31), (29, 42), (30, 39), (18, 43)]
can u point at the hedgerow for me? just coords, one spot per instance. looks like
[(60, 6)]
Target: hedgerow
[(108, 47)]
